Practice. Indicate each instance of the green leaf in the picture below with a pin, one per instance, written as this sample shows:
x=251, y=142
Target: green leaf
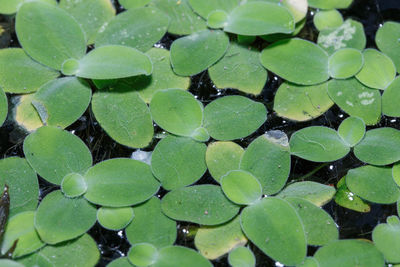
x=242, y=257
x=274, y=226
x=374, y=184
x=380, y=146
x=3, y=107
x=113, y=62
x=325, y=19
x=215, y=241
x=378, y=70
x=319, y=226
x=241, y=187
x=396, y=173
x=62, y=101
x=9, y=7
x=150, y=225
x=259, y=18
x=356, y=99
x=268, y=159
x=345, y=63
x=143, y=255
x=233, y=117
x=205, y=7
x=217, y=19
x=296, y=60
x=91, y=15
x=309, y=262
x=180, y=256
x=330, y=4
x=280, y=36
x=73, y=185
x=139, y=28
x=122, y=261
x=297, y=8
x=318, y=144
x=222, y=157
x=24, y=113
x=178, y=161
x=347, y=199
x=202, y=204
x=114, y=218
x=204, y=48
x=15, y=63
x=54, y=153
x=386, y=237
x=10, y=263
x=387, y=40
x=349, y=253
x=120, y=182
x=240, y=69
x=317, y=193
x=49, y=34
x=352, y=130
x=302, y=103
x=128, y=4
x=59, y=218
x=391, y=98
x=123, y=114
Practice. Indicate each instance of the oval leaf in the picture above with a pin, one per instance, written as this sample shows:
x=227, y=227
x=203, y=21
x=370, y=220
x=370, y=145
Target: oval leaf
x=345, y=63
x=386, y=237
x=241, y=187
x=114, y=218
x=387, y=40
x=180, y=256
x=242, y=257
x=352, y=130
x=391, y=98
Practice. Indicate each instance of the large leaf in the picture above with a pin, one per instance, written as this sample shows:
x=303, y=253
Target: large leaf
x=387, y=40
x=386, y=237
x=9, y=7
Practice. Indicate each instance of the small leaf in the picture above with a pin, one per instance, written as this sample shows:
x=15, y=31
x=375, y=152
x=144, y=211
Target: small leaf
x=205, y=7
x=325, y=19
x=387, y=40
x=330, y=4
x=9, y=7
x=391, y=98
x=24, y=113
x=217, y=19
x=73, y=185
x=180, y=256
x=347, y=199
x=386, y=237
x=143, y=255
x=352, y=130
x=121, y=261
x=242, y=257
x=114, y=218
x=345, y=63
x=241, y=187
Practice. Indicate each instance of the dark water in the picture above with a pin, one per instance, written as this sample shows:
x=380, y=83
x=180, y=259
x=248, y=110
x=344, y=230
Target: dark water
x=372, y=13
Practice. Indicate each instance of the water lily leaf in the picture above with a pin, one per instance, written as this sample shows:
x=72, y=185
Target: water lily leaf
x=143, y=254
x=178, y=161
x=349, y=253
x=114, y=218
x=59, y=218
x=233, y=117
x=62, y=101
x=20, y=227
x=319, y=226
x=330, y=4
x=352, y=130
x=54, y=153
x=386, y=39
x=215, y=241
x=202, y=204
x=285, y=57
x=120, y=182
x=317, y=193
x=177, y=111
x=379, y=147
x=122, y=261
x=274, y=226
x=373, y=183
x=15, y=63
x=268, y=159
x=150, y=225
x=378, y=70
x=356, y=99
x=222, y=157
x=390, y=98
x=9, y=7
x=242, y=257
x=180, y=256
x=345, y=198
x=25, y=114
x=349, y=35
x=325, y=19
x=386, y=237
x=73, y=185
x=204, y=48
x=183, y=20
x=10, y=263
x=91, y=15
x=250, y=19
x=345, y=63
x=318, y=144
x=49, y=34
x=240, y=69
x=81, y=252
x=112, y=62
x=3, y=107
x=139, y=28
x=241, y=187
x=205, y=7
x=123, y=114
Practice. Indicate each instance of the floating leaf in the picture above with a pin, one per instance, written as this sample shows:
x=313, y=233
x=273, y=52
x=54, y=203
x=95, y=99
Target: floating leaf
x=396, y=173
x=379, y=147
x=387, y=40
x=325, y=19
x=268, y=159
x=298, y=8
x=309, y=262
x=330, y=4
x=204, y=48
x=3, y=107
x=122, y=261
x=73, y=185
x=123, y=114
x=9, y=7
x=302, y=103
x=241, y=187
x=222, y=157
x=345, y=198
x=59, y=218
x=49, y=34
x=317, y=193
x=25, y=114
x=10, y=263
x=374, y=184
x=217, y=19
x=345, y=63
x=240, y=69
x=356, y=99
x=242, y=257
x=143, y=255
x=180, y=256
x=280, y=36
x=54, y=153
x=139, y=28
x=378, y=70
x=114, y=218
x=352, y=130
x=205, y=7
x=296, y=60
x=391, y=98
x=386, y=237
x=15, y=63
x=274, y=226
x=120, y=182
x=178, y=161
x=233, y=117
x=150, y=225
x=202, y=204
